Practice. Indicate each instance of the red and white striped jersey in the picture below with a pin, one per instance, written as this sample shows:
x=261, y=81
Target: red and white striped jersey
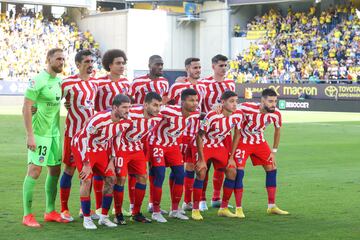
x=171, y=126
x=206, y=81
x=178, y=87
x=255, y=122
x=97, y=133
x=108, y=90
x=192, y=127
x=214, y=90
x=175, y=94
x=217, y=127
x=140, y=127
x=81, y=96
x=143, y=85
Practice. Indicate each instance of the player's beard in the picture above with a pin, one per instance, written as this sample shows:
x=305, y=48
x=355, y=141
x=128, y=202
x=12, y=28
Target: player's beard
x=195, y=76
x=152, y=113
x=269, y=110
x=89, y=70
x=57, y=69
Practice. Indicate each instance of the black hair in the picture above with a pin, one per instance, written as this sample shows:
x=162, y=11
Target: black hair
x=188, y=61
x=268, y=92
x=110, y=55
x=80, y=55
x=228, y=94
x=188, y=92
x=120, y=99
x=218, y=58
x=152, y=96
x=153, y=57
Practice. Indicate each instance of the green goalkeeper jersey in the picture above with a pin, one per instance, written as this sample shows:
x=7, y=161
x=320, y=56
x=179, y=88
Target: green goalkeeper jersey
x=45, y=91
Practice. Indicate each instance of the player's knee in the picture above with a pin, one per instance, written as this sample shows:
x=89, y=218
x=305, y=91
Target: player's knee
x=109, y=184
x=86, y=184
x=69, y=170
x=110, y=180
x=179, y=174
x=230, y=173
x=120, y=181
x=200, y=175
x=189, y=167
x=159, y=175
x=34, y=171
x=269, y=168
x=141, y=178
x=54, y=170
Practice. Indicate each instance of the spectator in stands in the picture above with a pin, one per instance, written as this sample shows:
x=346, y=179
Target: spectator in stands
x=25, y=39
x=237, y=30
x=303, y=46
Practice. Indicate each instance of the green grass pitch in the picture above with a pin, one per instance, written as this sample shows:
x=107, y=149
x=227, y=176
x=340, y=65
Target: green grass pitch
x=318, y=182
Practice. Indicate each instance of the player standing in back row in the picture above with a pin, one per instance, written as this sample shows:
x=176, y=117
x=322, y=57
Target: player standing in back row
x=152, y=82
x=193, y=69
x=216, y=86
x=114, y=62
x=79, y=92
x=249, y=141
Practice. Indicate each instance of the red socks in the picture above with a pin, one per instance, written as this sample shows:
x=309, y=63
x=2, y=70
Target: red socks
x=218, y=179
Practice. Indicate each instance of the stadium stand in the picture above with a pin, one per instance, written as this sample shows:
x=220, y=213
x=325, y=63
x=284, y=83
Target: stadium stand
x=302, y=47
x=25, y=39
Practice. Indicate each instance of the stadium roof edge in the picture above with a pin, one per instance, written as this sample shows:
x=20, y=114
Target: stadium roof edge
x=234, y=3
x=60, y=4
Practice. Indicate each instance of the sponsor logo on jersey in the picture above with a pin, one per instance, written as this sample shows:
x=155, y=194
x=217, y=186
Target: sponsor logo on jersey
x=32, y=83
x=91, y=130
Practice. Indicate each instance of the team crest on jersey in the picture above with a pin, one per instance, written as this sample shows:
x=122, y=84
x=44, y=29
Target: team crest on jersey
x=32, y=83
x=205, y=122
x=41, y=159
x=91, y=130
x=89, y=103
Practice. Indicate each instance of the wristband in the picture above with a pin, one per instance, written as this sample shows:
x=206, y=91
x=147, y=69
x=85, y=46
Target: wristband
x=274, y=150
